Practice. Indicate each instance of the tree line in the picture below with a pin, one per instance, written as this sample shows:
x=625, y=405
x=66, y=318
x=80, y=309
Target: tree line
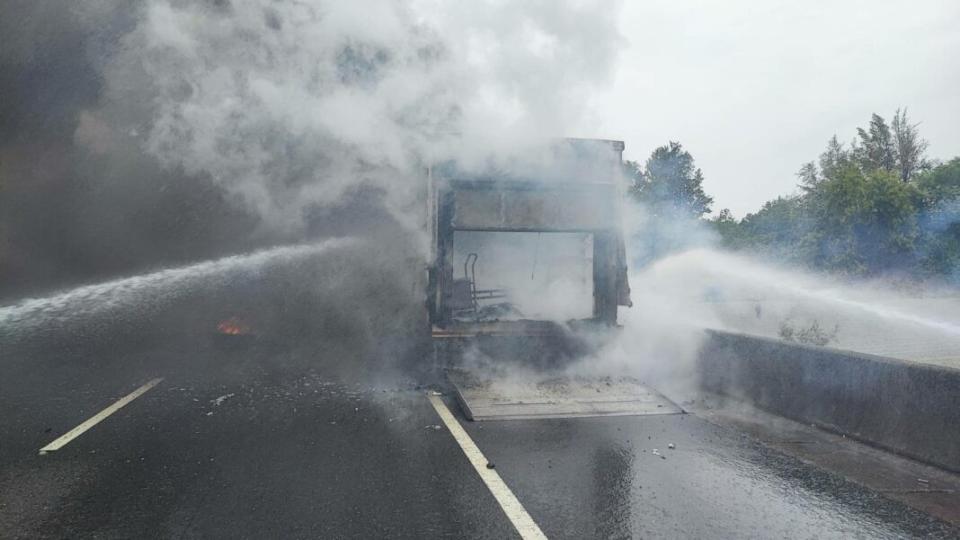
x=876, y=205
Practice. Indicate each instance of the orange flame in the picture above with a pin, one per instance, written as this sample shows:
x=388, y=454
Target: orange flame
x=234, y=327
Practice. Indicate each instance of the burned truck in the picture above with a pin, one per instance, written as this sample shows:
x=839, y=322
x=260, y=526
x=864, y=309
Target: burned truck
x=527, y=266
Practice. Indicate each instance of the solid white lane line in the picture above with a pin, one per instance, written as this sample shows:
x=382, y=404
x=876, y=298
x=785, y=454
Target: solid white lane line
x=515, y=511
x=61, y=441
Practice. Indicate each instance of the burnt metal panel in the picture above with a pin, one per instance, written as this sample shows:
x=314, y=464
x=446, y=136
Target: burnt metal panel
x=485, y=397
x=547, y=209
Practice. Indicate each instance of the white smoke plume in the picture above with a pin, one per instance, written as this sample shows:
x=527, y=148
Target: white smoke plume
x=683, y=294
x=289, y=104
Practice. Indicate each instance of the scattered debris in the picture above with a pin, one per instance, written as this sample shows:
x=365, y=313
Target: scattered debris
x=433, y=427
x=490, y=465
x=923, y=481
x=435, y=393
x=812, y=335
x=221, y=399
x=671, y=446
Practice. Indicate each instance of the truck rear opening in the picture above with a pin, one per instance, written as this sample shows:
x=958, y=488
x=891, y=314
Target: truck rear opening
x=528, y=271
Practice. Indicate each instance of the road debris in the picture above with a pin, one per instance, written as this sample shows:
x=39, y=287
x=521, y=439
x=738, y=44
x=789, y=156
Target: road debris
x=221, y=399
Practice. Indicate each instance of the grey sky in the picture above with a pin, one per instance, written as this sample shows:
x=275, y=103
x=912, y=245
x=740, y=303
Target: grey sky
x=754, y=89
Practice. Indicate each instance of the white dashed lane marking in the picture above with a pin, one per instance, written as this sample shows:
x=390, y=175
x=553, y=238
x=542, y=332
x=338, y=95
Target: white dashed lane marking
x=62, y=441
x=515, y=511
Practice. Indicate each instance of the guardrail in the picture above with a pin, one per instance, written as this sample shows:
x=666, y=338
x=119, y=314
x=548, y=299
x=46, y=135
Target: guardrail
x=909, y=408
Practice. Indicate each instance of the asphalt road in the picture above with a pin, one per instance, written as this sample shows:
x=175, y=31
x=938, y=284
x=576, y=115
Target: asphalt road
x=248, y=441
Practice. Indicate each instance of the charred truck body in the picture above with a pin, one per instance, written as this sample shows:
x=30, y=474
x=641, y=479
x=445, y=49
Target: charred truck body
x=526, y=263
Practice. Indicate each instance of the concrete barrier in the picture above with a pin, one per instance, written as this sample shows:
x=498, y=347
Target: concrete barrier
x=909, y=408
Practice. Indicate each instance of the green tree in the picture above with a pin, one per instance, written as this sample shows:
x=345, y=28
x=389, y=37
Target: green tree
x=876, y=149
x=781, y=223
x=729, y=229
x=909, y=148
x=670, y=184
x=834, y=158
x=669, y=189
x=863, y=222
x=873, y=206
x=941, y=183
x=940, y=222
x=809, y=176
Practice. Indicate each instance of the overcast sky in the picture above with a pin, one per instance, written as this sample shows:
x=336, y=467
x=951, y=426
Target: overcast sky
x=755, y=88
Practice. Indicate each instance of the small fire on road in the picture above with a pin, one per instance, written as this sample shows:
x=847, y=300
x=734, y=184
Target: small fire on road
x=234, y=326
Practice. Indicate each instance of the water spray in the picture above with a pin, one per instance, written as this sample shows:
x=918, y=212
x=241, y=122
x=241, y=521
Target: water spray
x=153, y=288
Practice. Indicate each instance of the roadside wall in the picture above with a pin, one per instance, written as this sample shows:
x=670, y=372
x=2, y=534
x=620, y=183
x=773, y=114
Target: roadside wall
x=909, y=408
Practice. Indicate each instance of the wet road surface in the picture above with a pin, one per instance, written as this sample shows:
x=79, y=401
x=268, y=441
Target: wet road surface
x=250, y=442
x=600, y=478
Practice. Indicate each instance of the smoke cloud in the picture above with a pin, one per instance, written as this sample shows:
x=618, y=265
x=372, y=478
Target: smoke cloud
x=172, y=131
x=292, y=104
x=169, y=132
x=680, y=295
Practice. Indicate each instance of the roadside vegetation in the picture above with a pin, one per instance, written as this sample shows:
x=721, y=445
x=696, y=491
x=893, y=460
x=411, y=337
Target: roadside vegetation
x=874, y=206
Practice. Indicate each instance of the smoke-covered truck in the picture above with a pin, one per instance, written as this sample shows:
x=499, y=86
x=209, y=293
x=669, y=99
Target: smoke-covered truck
x=528, y=267
x=576, y=191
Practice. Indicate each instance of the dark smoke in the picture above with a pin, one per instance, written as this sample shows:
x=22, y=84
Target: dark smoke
x=72, y=209
x=148, y=134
